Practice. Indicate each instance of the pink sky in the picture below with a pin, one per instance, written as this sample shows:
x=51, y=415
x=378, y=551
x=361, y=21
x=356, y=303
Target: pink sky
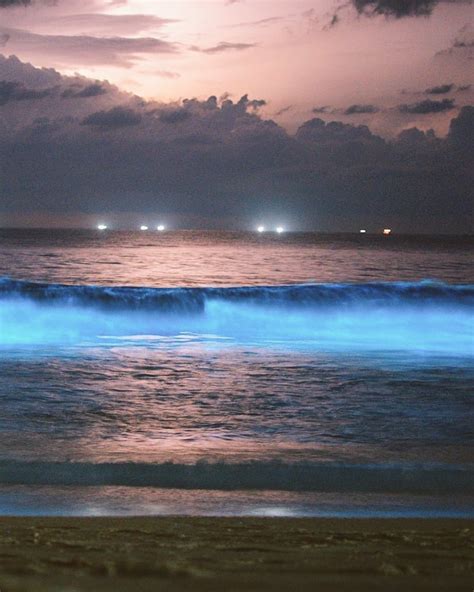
x=279, y=50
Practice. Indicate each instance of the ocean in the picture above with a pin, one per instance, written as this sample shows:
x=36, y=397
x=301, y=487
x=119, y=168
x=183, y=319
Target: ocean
x=212, y=373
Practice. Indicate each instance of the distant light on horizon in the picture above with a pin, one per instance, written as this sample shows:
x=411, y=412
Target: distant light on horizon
x=261, y=229
x=102, y=227
x=160, y=227
x=362, y=231
x=143, y=227
x=280, y=229
x=387, y=230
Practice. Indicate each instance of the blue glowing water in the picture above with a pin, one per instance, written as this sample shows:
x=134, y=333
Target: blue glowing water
x=316, y=366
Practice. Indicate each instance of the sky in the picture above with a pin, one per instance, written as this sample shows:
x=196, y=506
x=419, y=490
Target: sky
x=318, y=114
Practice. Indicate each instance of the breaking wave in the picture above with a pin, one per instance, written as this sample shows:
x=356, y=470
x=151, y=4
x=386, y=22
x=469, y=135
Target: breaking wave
x=194, y=299
x=425, y=315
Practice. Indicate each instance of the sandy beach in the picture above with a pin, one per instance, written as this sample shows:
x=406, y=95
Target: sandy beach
x=124, y=554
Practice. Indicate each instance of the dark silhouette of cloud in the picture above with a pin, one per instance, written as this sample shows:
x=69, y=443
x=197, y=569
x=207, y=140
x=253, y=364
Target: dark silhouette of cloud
x=428, y=106
x=322, y=109
x=461, y=133
x=395, y=8
x=8, y=3
x=15, y=91
x=464, y=87
x=439, y=90
x=283, y=110
x=224, y=46
x=113, y=118
x=174, y=116
x=224, y=160
x=361, y=109
x=91, y=90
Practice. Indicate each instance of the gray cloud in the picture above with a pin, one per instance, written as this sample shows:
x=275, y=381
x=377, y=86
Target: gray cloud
x=114, y=118
x=90, y=90
x=224, y=46
x=283, y=110
x=322, y=109
x=428, y=106
x=8, y=3
x=86, y=50
x=439, y=90
x=174, y=116
x=395, y=8
x=361, y=109
x=223, y=159
x=15, y=91
x=109, y=24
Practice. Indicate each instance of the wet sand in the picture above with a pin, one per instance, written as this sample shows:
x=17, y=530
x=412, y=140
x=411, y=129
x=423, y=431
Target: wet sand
x=234, y=554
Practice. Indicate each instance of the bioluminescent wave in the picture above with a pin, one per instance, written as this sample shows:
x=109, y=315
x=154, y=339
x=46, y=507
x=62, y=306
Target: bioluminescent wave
x=425, y=316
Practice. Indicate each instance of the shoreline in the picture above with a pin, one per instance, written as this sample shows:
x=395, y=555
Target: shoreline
x=196, y=553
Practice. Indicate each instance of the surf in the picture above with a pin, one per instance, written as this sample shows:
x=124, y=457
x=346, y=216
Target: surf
x=423, y=316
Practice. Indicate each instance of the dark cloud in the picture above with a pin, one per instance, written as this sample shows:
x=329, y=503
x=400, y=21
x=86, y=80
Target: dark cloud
x=15, y=91
x=224, y=160
x=283, y=110
x=464, y=87
x=361, y=109
x=7, y=3
x=174, y=116
x=428, y=106
x=442, y=89
x=322, y=109
x=114, y=118
x=461, y=132
x=91, y=90
x=395, y=8
x=224, y=46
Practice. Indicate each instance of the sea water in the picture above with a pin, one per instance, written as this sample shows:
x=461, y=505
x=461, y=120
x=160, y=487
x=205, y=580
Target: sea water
x=230, y=374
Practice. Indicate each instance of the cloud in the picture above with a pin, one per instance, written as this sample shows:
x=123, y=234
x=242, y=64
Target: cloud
x=167, y=74
x=221, y=159
x=439, y=90
x=9, y=3
x=15, y=91
x=361, y=109
x=258, y=23
x=462, y=47
x=428, y=106
x=283, y=110
x=108, y=25
x=322, y=109
x=461, y=131
x=174, y=116
x=90, y=90
x=114, y=118
x=395, y=8
x=464, y=87
x=224, y=46
x=84, y=49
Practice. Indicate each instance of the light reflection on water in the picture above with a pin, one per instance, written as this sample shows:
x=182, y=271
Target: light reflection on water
x=126, y=501
x=234, y=383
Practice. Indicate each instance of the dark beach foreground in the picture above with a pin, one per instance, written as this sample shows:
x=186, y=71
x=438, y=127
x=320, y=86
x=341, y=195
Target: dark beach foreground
x=145, y=554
